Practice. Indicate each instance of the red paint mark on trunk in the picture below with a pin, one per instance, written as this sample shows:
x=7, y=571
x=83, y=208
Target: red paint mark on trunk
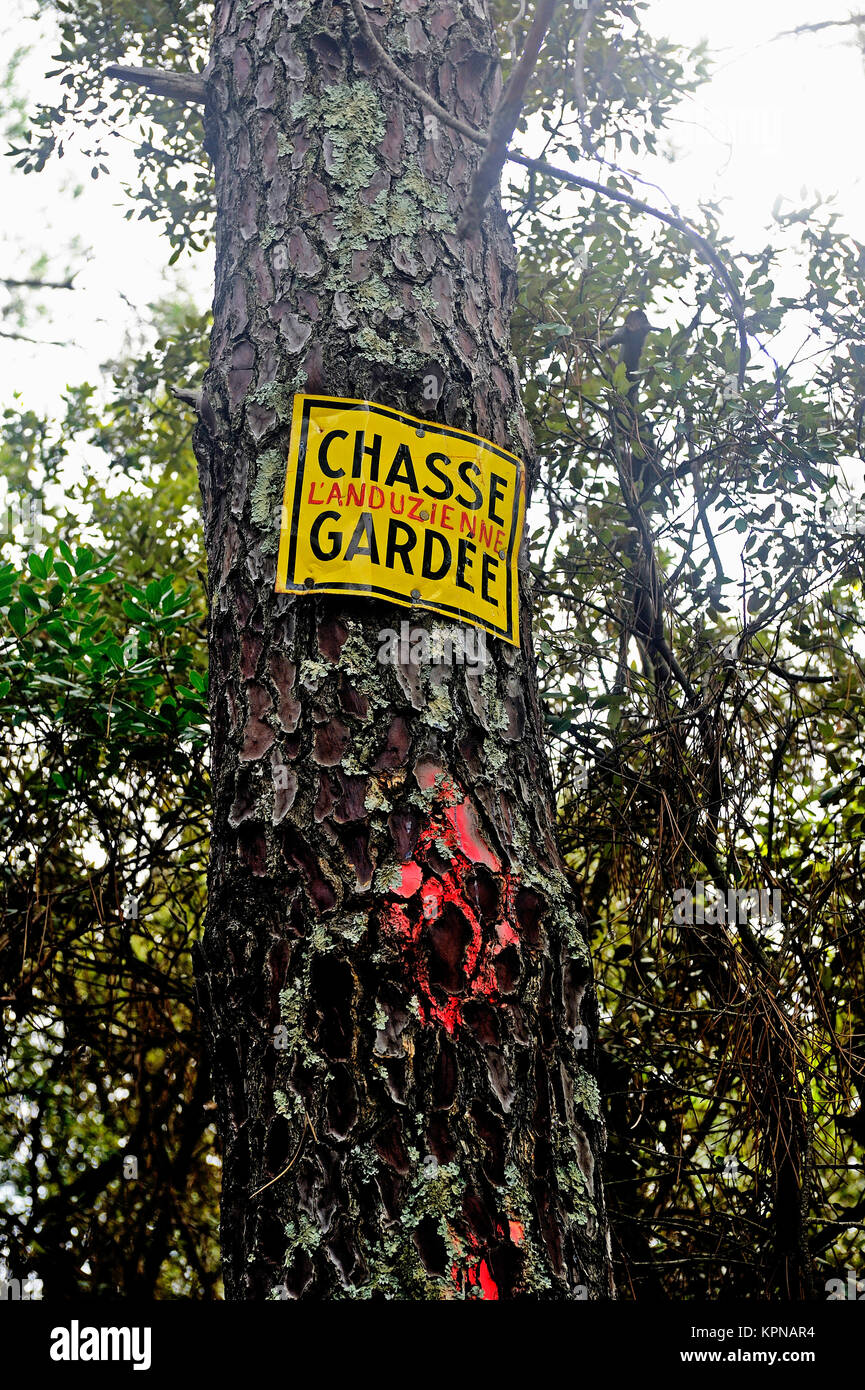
x=464, y=821
x=411, y=880
x=445, y=925
x=449, y=903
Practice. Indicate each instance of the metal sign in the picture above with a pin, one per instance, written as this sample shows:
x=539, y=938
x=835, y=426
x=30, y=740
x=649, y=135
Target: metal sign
x=416, y=513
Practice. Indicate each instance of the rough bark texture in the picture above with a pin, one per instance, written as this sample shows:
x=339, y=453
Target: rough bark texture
x=394, y=972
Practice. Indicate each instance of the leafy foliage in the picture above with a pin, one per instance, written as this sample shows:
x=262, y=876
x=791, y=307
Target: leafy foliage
x=175, y=189
x=104, y=812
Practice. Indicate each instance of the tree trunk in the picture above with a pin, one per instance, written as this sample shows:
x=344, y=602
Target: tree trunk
x=394, y=973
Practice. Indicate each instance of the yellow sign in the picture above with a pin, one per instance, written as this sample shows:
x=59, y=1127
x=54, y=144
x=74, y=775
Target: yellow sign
x=406, y=510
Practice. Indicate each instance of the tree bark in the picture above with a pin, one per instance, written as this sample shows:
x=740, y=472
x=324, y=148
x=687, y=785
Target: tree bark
x=394, y=974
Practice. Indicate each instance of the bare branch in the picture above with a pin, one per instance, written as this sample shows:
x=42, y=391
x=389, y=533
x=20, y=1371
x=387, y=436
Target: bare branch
x=504, y=120
x=177, y=86
x=36, y=284
x=823, y=24
x=188, y=394
x=421, y=95
x=794, y=677
x=708, y=253
x=700, y=495
x=579, y=62
x=512, y=27
x=541, y=166
x=40, y=342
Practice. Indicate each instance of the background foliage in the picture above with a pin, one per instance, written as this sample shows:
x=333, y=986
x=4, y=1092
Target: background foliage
x=728, y=750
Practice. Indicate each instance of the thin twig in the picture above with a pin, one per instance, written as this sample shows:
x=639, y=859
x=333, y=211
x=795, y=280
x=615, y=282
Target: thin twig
x=700, y=495
x=40, y=342
x=512, y=27
x=823, y=24
x=295, y=1156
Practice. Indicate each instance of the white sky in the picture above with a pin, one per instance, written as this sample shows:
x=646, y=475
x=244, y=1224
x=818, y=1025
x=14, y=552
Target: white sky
x=778, y=118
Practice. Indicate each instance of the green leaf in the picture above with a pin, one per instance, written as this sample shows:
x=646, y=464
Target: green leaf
x=30, y=597
x=17, y=616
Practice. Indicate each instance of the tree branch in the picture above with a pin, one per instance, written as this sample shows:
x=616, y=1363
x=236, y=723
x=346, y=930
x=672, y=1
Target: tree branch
x=504, y=120
x=177, y=86
x=699, y=242
x=419, y=93
x=40, y=342
x=795, y=677
x=552, y=171
x=700, y=495
x=36, y=284
x=823, y=24
x=190, y=395
x=579, y=60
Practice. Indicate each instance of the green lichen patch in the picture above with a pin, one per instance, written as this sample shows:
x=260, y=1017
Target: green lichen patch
x=415, y=183
x=387, y=878
x=520, y=1208
x=587, y=1095
x=390, y=350
x=312, y=673
x=438, y=711
x=276, y=396
x=302, y=1234
x=266, y=497
x=291, y=1012
x=375, y=799
x=351, y=117
x=290, y=1106
x=573, y=1185
x=496, y=714
x=350, y=928
x=394, y=1265
x=495, y=756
